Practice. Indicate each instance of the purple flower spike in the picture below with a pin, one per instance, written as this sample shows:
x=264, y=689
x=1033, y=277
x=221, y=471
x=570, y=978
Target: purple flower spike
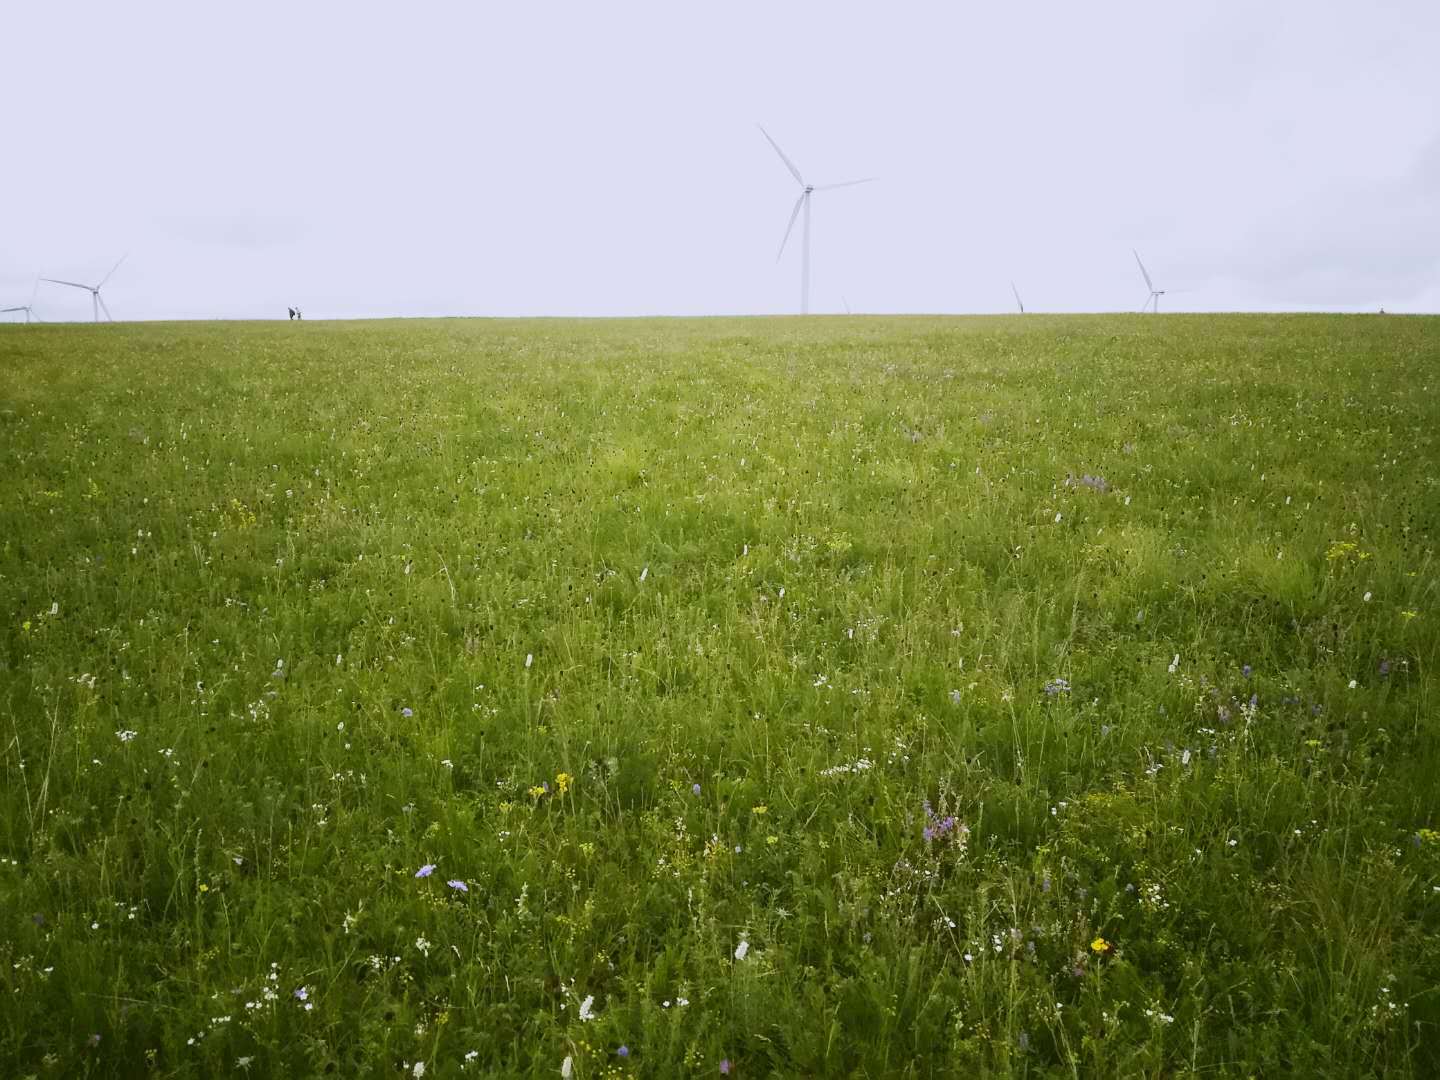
x=458, y=886
x=1246, y=671
x=426, y=870
x=694, y=789
x=725, y=1066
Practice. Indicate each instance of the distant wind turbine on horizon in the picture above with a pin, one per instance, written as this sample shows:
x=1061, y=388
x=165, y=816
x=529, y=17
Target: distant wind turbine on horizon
x=1019, y=303
x=1155, y=293
x=803, y=203
x=96, y=301
x=29, y=308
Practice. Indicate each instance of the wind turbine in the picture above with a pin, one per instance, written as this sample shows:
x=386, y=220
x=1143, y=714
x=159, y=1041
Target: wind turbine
x=1018, y=301
x=1155, y=293
x=803, y=203
x=29, y=308
x=96, y=303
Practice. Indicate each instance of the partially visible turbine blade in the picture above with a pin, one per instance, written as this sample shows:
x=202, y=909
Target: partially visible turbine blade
x=788, y=228
x=72, y=284
x=788, y=163
x=113, y=269
x=1145, y=273
x=7, y=310
x=101, y=299
x=1018, y=301
x=847, y=183
x=35, y=291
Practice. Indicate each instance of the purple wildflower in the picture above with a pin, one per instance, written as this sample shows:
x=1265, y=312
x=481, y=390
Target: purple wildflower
x=936, y=827
x=1057, y=686
x=623, y=1052
x=1384, y=669
x=458, y=886
x=426, y=870
x=694, y=789
x=725, y=1066
x=407, y=712
x=1245, y=671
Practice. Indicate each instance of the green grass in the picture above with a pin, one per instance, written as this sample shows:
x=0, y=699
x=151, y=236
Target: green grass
x=662, y=636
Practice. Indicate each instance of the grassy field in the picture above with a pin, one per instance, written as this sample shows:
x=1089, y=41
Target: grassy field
x=1050, y=696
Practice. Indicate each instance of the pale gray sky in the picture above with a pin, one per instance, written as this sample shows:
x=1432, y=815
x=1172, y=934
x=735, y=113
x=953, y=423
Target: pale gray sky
x=603, y=159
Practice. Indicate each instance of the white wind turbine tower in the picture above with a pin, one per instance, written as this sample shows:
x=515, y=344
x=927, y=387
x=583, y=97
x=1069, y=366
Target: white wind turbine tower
x=1019, y=303
x=1155, y=293
x=803, y=203
x=96, y=303
x=29, y=308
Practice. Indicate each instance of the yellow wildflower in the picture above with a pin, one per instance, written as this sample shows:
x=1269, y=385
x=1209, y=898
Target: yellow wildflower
x=562, y=782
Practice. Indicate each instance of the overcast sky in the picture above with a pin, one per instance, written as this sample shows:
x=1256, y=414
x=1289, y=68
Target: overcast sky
x=603, y=158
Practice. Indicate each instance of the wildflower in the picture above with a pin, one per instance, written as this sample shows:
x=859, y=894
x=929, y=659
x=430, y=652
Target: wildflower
x=695, y=789
x=761, y=809
x=422, y=945
x=742, y=949
x=623, y=1052
x=529, y=658
x=1384, y=669
x=419, y=1070
x=567, y=1068
x=1056, y=686
x=1367, y=597
x=537, y=791
x=1245, y=671
x=303, y=994
x=458, y=886
x=587, y=1008
x=426, y=870
x=562, y=782
x=1175, y=663
x=1101, y=946
x=244, y=1062
x=725, y=1066
x=93, y=1041
x=1408, y=615
x=407, y=713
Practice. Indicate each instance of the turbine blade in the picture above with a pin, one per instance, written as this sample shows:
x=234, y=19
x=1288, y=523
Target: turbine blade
x=7, y=310
x=113, y=269
x=788, y=163
x=847, y=183
x=790, y=228
x=1144, y=273
x=1018, y=301
x=103, y=308
x=35, y=291
x=72, y=284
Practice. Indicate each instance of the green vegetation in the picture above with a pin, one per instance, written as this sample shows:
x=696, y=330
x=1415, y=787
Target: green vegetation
x=893, y=697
